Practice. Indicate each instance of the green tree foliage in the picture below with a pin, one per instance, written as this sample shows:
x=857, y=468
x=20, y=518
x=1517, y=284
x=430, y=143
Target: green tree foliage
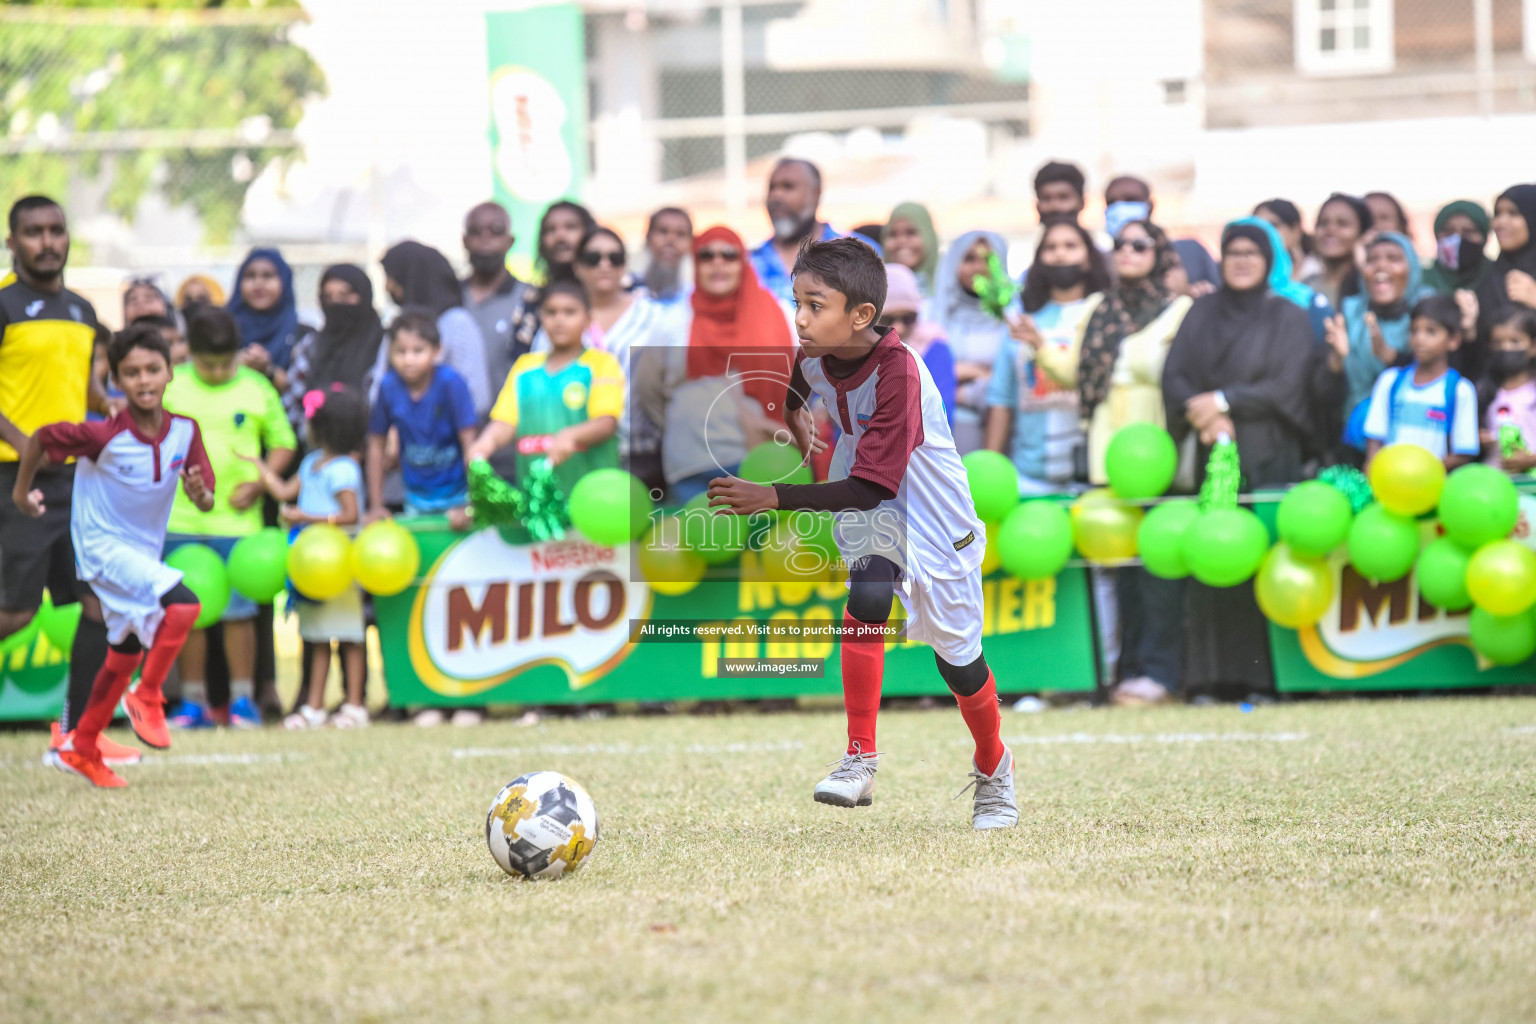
x=82, y=72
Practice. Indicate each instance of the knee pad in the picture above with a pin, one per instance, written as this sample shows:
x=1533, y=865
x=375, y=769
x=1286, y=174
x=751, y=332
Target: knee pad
x=964, y=680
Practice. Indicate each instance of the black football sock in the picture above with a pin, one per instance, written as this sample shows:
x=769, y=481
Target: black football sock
x=86, y=656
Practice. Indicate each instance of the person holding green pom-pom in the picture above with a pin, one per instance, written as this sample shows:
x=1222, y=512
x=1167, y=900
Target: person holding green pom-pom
x=1238, y=368
x=563, y=404
x=973, y=333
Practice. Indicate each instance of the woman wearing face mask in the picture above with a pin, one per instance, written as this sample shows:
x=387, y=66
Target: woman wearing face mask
x=1461, y=235
x=1511, y=279
x=1238, y=367
x=417, y=275
x=1341, y=223
x=1032, y=415
x=910, y=241
x=348, y=350
x=974, y=335
x=710, y=385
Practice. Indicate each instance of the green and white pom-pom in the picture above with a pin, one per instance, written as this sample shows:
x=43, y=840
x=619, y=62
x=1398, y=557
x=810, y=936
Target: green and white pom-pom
x=996, y=290
x=1351, y=483
x=1223, y=477
x=540, y=508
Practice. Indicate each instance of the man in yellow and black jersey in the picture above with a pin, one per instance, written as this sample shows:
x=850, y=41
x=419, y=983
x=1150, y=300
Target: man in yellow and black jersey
x=48, y=335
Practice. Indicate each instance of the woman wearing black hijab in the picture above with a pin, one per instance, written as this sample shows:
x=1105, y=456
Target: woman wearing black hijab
x=1511, y=281
x=1239, y=366
x=419, y=277
x=347, y=350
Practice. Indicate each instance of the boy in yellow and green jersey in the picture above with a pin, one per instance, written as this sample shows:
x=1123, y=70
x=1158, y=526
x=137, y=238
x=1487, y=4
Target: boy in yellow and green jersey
x=564, y=404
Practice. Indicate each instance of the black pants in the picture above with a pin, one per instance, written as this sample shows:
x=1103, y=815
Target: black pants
x=1151, y=626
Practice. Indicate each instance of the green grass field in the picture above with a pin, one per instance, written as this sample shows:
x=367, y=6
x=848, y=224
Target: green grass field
x=1350, y=861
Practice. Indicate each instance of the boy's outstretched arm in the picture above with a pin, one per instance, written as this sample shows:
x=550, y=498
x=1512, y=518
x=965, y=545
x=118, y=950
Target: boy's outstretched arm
x=740, y=497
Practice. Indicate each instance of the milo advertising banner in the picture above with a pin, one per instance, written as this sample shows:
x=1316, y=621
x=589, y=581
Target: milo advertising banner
x=537, y=63
x=495, y=621
x=1386, y=636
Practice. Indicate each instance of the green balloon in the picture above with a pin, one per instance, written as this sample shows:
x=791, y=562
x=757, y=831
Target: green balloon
x=773, y=463
x=1383, y=545
x=1503, y=639
x=1478, y=504
x=203, y=571
x=1140, y=461
x=994, y=481
x=1160, y=539
x=1313, y=519
x=258, y=565
x=1225, y=546
x=714, y=538
x=610, y=507
x=1035, y=540
x=1442, y=575
x=58, y=623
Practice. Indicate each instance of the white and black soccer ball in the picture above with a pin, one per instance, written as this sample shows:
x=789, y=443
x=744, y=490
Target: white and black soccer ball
x=541, y=825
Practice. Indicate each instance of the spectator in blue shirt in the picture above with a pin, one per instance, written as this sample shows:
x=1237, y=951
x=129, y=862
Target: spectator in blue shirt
x=794, y=193
x=429, y=405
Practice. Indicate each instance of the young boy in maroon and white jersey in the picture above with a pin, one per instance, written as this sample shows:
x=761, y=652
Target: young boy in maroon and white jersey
x=128, y=471
x=905, y=520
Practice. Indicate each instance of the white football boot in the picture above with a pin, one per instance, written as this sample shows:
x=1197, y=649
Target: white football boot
x=993, y=805
x=852, y=782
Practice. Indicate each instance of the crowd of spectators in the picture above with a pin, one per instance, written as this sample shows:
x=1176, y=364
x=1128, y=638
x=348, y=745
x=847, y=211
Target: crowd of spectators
x=1310, y=348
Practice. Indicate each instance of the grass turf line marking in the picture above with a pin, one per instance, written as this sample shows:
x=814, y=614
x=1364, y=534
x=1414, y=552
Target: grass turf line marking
x=175, y=759
x=1163, y=737
x=1520, y=730
x=622, y=748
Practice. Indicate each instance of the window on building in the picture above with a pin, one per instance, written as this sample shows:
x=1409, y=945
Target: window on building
x=1343, y=37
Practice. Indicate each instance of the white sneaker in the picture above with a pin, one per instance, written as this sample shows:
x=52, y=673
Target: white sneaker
x=852, y=782
x=428, y=718
x=993, y=805
x=1140, y=692
x=305, y=718
x=467, y=716
x=350, y=716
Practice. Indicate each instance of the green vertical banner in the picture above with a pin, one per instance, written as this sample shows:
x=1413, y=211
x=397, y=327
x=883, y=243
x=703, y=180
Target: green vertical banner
x=537, y=61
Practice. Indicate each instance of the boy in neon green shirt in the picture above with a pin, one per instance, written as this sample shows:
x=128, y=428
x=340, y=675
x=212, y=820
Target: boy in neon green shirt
x=563, y=404
x=239, y=413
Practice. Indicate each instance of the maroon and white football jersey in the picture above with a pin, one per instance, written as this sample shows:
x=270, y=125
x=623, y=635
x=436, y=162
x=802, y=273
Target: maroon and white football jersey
x=125, y=483
x=895, y=433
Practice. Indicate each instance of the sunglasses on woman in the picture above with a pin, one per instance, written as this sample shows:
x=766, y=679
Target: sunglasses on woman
x=595, y=259
x=725, y=255
x=1135, y=244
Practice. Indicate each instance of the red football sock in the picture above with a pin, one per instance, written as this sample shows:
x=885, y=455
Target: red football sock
x=111, y=682
x=985, y=721
x=173, y=631
x=863, y=670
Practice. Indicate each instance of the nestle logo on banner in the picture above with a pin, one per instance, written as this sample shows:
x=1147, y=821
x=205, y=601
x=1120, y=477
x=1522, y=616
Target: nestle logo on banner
x=490, y=611
x=1376, y=626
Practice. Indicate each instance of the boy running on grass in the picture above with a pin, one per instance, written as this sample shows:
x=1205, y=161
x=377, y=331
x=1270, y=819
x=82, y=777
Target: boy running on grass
x=128, y=471
x=905, y=517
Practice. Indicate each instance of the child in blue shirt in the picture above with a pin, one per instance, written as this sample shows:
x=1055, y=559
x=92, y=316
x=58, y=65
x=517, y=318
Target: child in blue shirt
x=1427, y=403
x=430, y=408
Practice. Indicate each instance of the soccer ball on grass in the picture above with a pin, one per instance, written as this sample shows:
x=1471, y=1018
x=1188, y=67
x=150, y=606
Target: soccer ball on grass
x=541, y=825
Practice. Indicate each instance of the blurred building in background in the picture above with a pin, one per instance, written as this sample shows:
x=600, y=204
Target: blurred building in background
x=333, y=128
